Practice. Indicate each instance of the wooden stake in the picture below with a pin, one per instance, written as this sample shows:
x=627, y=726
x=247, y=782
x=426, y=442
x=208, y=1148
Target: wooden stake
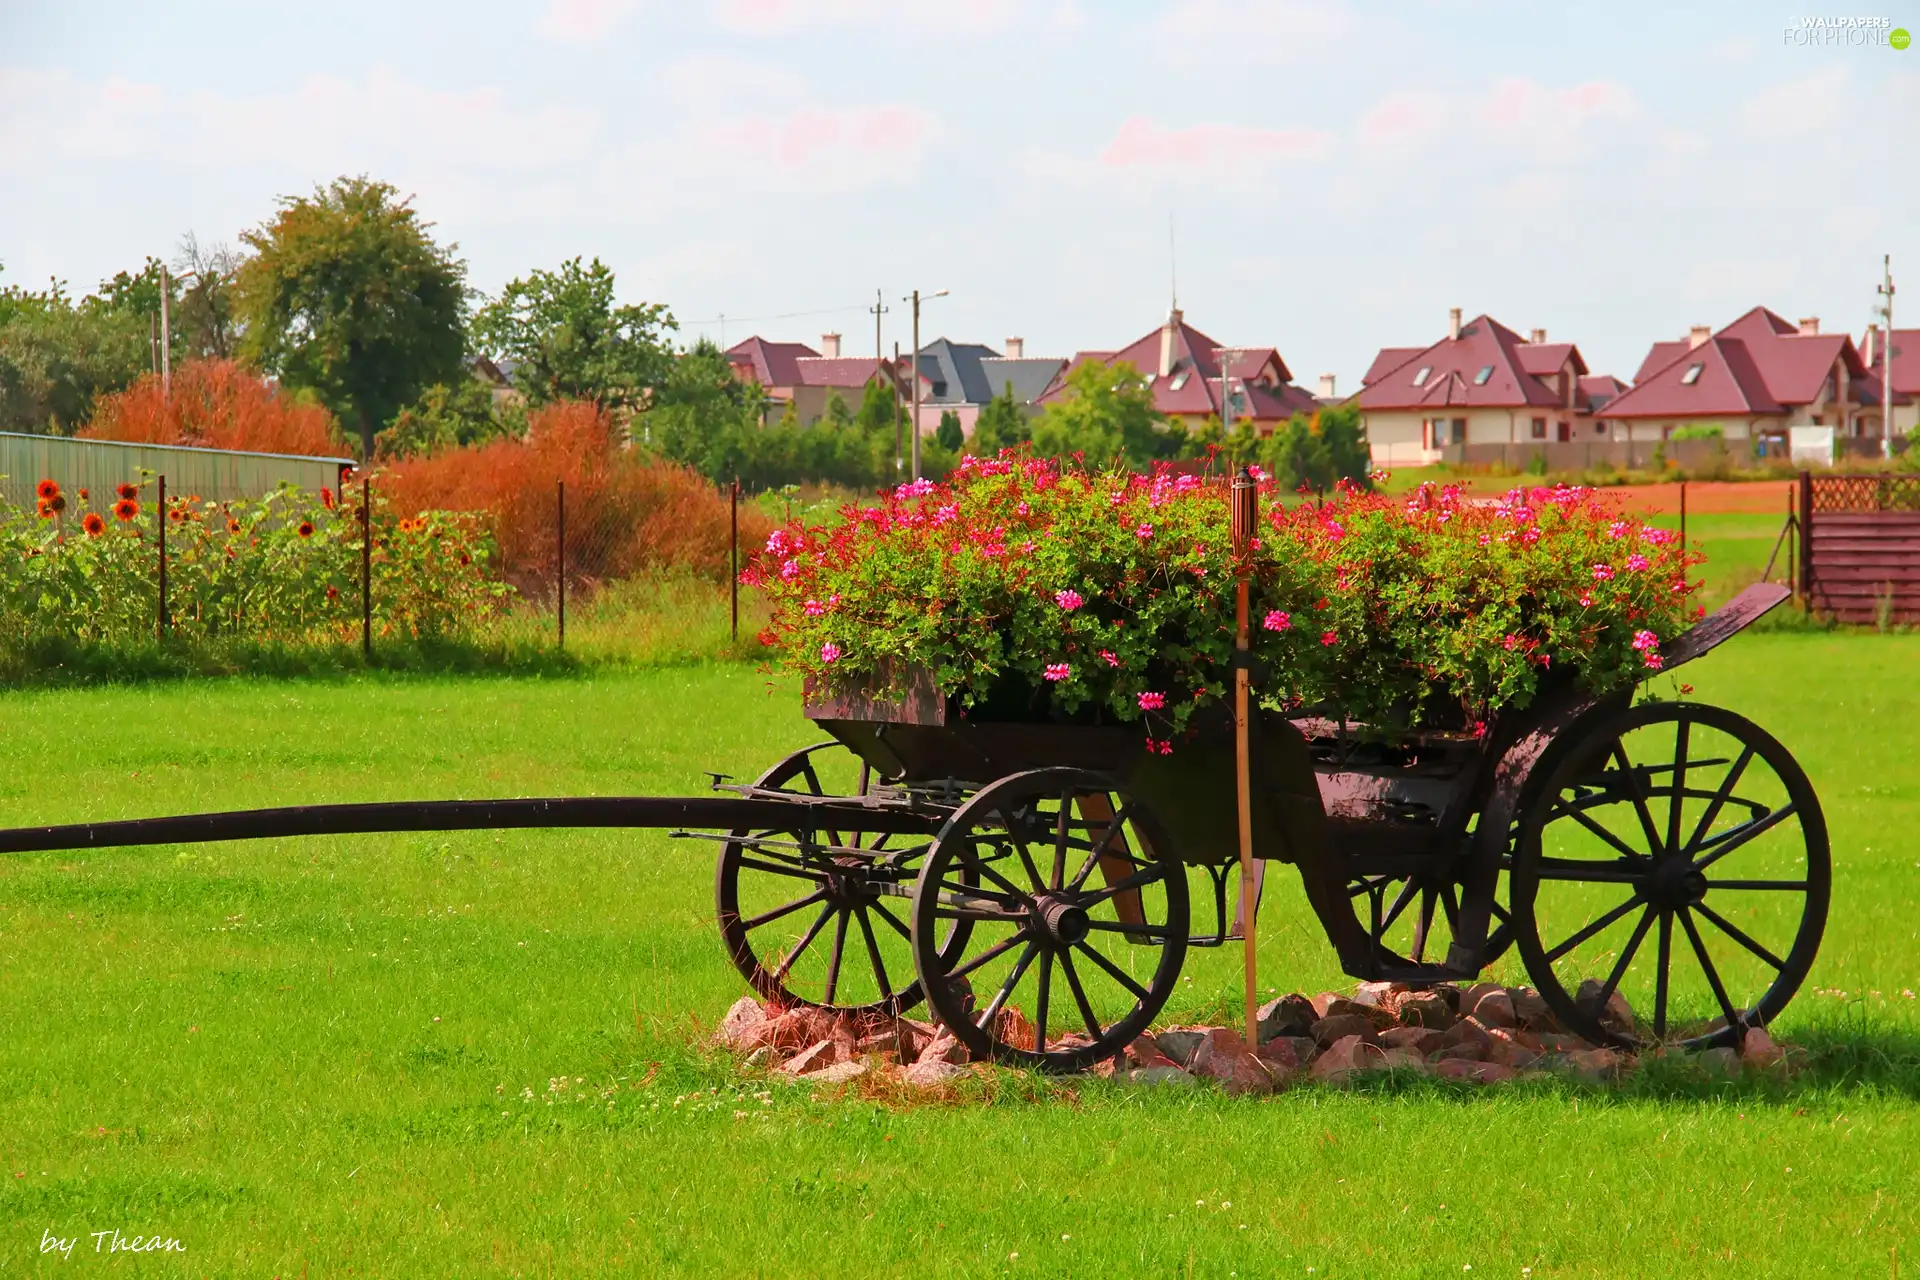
x=1246, y=515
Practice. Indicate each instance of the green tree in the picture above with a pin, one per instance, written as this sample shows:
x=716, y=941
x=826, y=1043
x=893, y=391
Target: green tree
x=949, y=433
x=347, y=295
x=1106, y=415
x=58, y=356
x=449, y=417
x=1345, y=438
x=1002, y=424
x=204, y=320
x=703, y=416
x=570, y=341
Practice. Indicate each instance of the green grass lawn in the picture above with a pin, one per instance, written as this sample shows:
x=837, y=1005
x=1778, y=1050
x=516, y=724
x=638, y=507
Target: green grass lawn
x=480, y=1053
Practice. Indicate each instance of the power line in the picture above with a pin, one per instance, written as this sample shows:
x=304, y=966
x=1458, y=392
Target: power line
x=785, y=315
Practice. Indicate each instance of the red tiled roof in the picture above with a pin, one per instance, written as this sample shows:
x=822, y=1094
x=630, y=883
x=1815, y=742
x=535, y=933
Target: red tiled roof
x=1389, y=359
x=771, y=363
x=1454, y=366
x=1597, y=389
x=1545, y=359
x=1193, y=387
x=1759, y=364
x=836, y=371
x=1906, y=361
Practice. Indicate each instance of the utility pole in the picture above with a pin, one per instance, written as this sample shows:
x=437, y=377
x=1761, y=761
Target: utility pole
x=166, y=338
x=879, y=352
x=1226, y=397
x=899, y=441
x=1886, y=345
x=914, y=373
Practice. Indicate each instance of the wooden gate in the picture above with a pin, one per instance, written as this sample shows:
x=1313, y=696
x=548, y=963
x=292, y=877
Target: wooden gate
x=1860, y=546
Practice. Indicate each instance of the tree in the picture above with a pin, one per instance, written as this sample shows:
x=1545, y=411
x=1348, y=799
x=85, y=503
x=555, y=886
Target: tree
x=569, y=341
x=204, y=323
x=701, y=414
x=347, y=295
x=57, y=357
x=216, y=404
x=1107, y=415
x=949, y=433
x=1002, y=424
x=449, y=417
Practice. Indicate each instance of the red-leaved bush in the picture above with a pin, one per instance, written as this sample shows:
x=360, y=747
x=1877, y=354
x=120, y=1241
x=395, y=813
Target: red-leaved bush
x=1032, y=590
x=626, y=513
x=215, y=404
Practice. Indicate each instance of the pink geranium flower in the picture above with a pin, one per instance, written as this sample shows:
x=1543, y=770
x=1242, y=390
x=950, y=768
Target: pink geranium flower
x=1068, y=600
x=829, y=652
x=1637, y=562
x=1152, y=701
x=1144, y=532
x=1278, y=620
x=815, y=608
x=1112, y=659
x=1645, y=641
x=1602, y=572
x=1058, y=671
x=1329, y=638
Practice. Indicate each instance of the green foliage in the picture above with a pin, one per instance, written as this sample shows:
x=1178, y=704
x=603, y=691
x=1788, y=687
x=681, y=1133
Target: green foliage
x=1002, y=424
x=347, y=295
x=1107, y=415
x=450, y=417
x=571, y=341
x=58, y=356
x=205, y=322
x=949, y=433
x=1700, y=431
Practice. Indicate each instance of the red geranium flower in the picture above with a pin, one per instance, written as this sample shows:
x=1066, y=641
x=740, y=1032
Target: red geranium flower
x=93, y=524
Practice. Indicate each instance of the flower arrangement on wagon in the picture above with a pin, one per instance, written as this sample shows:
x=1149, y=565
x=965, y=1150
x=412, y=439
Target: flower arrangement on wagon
x=1029, y=589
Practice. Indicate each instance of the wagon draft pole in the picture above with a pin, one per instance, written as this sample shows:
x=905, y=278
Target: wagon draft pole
x=1246, y=517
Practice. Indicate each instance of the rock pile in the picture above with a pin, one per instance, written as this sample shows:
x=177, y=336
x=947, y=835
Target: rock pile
x=1483, y=1033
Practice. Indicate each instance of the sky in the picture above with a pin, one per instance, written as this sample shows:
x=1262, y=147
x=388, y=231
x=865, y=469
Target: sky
x=1334, y=176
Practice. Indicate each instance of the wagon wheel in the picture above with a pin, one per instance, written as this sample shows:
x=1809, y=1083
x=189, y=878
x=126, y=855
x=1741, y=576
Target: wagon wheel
x=1411, y=919
x=816, y=918
x=1677, y=856
x=1062, y=876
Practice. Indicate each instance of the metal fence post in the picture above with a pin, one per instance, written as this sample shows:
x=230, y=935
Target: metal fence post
x=160, y=621
x=560, y=555
x=1806, y=540
x=733, y=556
x=366, y=567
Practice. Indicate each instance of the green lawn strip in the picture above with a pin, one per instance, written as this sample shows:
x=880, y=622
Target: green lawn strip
x=236, y=1045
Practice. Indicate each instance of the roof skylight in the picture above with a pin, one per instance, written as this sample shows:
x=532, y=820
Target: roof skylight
x=1480, y=378
x=1420, y=378
x=1692, y=375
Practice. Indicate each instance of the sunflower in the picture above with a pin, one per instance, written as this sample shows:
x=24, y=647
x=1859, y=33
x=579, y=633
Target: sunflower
x=233, y=526
x=127, y=492
x=306, y=529
x=46, y=490
x=93, y=524
x=126, y=508
x=43, y=508
x=326, y=497
x=58, y=502
x=85, y=496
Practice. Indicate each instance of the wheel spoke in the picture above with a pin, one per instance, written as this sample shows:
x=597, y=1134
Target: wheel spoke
x=839, y=949
x=1660, y=978
x=873, y=954
x=892, y=919
x=1795, y=886
x=991, y=954
x=806, y=940
x=1725, y=843
x=1103, y=846
x=1579, y=815
x=1114, y=971
x=1706, y=962
x=1677, y=804
x=1588, y=872
x=977, y=863
x=1006, y=988
x=1146, y=875
x=1720, y=797
x=1452, y=906
x=1059, y=876
x=1385, y=921
x=768, y=917
x=1638, y=792
x=1131, y=930
x=1080, y=996
x=1423, y=923
x=1727, y=927
x=1040, y=1001
x=795, y=870
x=1593, y=928
x=1626, y=958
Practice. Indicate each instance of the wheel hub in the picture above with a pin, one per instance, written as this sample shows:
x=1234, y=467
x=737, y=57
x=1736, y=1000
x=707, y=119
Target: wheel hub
x=1062, y=921
x=1674, y=882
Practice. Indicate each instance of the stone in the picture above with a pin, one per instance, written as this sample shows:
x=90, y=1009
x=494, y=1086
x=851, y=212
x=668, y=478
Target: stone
x=1284, y=1054
x=1476, y=1072
x=1290, y=1015
x=1426, y=1009
x=1420, y=1040
x=1346, y=1057
x=815, y=1057
x=1338, y=1026
x=1163, y=1076
x=839, y=1072
x=1494, y=1009
x=1473, y=994
x=1723, y=1061
x=1379, y=995
x=1468, y=1051
x=1511, y=1048
x=1324, y=1002
x=1560, y=1042
x=944, y=1048
x=929, y=1074
x=1237, y=1070
x=846, y=1034
x=1531, y=1009
x=1616, y=1017
x=1468, y=1032
x=1757, y=1050
x=1597, y=1065
x=1145, y=1053
x=745, y=1025
x=1010, y=1026
x=1180, y=1044
x=1405, y=1060
x=765, y=1056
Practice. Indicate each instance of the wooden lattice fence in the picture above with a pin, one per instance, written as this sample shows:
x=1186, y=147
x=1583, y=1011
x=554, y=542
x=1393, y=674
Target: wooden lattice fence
x=1860, y=546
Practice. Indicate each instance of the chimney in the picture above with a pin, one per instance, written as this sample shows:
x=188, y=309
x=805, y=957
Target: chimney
x=1538, y=335
x=1016, y=348
x=1870, y=346
x=1167, y=331
x=1453, y=322
x=1809, y=326
x=830, y=345
x=1326, y=386
x=1698, y=335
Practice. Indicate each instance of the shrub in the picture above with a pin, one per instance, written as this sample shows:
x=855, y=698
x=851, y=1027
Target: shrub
x=216, y=404
x=1032, y=590
x=627, y=514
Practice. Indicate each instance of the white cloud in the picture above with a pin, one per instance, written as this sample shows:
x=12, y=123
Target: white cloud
x=1404, y=118
x=1145, y=142
x=958, y=17
x=1207, y=33
x=1799, y=108
x=581, y=21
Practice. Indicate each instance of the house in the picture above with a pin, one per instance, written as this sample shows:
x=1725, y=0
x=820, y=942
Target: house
x=1183, y=369
x=1906, y=378
x=1756, y=380
x=794, y=374
x=962, y=377
x=1482, y=384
